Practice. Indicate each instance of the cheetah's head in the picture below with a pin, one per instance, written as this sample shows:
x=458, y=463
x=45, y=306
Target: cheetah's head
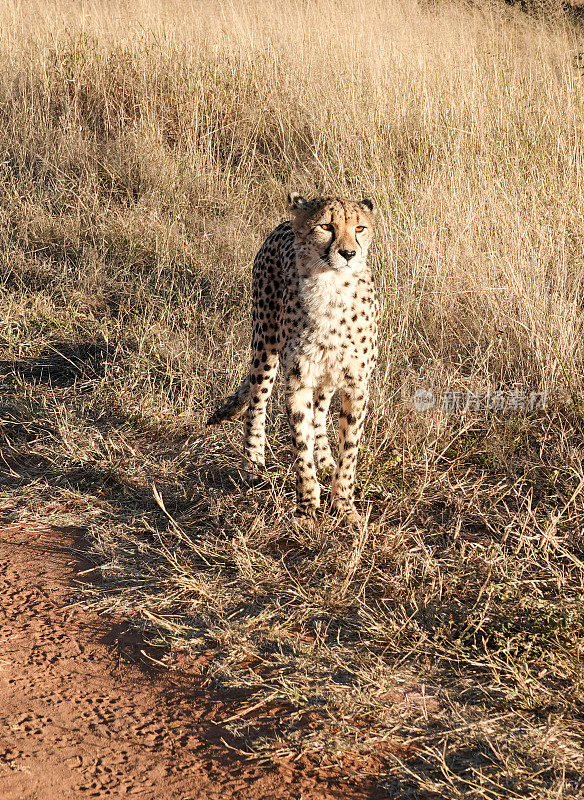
x=332, y=233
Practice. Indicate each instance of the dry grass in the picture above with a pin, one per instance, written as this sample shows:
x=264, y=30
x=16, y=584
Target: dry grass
x=146, y=149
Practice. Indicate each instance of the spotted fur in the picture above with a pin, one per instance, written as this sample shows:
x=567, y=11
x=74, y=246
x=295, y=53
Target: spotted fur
x=314, y=311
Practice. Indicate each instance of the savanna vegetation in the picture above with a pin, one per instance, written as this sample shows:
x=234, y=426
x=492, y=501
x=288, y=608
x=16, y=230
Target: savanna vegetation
x=146, y=149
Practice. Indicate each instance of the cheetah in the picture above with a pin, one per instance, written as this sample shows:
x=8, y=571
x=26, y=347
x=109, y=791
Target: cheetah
x=315, y=310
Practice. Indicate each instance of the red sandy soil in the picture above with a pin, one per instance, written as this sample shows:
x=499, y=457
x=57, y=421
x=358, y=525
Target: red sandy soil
x=79, y=719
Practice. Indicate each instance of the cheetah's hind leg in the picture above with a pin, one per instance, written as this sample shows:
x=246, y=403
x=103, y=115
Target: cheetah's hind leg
x=261, y=377
x=234, y=407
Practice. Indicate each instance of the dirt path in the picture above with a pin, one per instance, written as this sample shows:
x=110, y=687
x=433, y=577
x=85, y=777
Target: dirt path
x=78, y=721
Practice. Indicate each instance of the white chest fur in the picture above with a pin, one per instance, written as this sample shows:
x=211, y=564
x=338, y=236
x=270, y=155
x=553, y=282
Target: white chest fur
x=326, y=347
x=326, y=294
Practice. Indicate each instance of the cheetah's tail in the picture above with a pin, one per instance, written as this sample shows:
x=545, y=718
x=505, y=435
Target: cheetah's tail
x=234, y=407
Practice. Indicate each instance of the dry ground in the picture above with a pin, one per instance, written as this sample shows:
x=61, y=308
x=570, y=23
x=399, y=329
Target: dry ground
x=84, y=711
x=146, y=150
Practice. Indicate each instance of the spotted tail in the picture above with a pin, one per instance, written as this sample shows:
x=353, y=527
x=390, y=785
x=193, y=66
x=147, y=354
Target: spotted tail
x=234, y=407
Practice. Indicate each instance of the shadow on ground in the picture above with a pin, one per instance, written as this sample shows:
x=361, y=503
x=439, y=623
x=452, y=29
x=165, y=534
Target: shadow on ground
x=37, y=476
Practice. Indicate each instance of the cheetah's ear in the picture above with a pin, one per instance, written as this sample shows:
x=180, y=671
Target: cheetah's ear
x=296, y=202
x=368, y=204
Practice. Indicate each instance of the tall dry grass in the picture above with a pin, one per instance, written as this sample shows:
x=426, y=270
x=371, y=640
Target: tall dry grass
x=146, y=150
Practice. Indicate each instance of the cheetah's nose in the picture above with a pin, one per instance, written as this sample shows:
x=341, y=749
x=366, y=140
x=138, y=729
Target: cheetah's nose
x=348, y=254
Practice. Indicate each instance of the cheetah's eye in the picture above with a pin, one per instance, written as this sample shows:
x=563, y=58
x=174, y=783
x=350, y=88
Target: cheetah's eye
x=359, y=228
x=327, y=227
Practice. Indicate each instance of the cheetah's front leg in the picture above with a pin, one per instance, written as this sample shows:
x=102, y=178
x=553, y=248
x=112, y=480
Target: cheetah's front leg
x=351, y=418
x=322, y=450
x=300, y=415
